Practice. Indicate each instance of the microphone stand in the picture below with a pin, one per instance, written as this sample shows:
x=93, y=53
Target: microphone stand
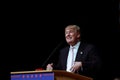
x=50, y=56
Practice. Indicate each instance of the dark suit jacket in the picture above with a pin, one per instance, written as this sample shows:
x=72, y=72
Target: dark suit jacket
x=88, y=54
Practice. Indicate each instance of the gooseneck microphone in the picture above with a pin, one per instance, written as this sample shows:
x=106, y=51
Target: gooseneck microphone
x=54, y=50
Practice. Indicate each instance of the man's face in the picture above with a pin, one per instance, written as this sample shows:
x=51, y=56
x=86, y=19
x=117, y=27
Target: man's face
x=71, y=35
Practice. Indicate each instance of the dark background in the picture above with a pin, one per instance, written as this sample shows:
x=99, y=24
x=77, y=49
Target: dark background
x=33, y=31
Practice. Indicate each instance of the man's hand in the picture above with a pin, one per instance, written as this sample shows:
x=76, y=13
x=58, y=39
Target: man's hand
x=76, y=67
x=49, y=66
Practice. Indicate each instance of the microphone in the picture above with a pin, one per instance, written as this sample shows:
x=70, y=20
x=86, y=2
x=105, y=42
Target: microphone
x=52, y=53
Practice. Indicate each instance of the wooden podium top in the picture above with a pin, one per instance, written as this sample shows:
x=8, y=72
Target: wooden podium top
x=21, y=72
x=70, y=75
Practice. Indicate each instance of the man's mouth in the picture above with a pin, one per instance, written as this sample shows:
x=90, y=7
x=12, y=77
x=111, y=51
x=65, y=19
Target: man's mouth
x=69, y=38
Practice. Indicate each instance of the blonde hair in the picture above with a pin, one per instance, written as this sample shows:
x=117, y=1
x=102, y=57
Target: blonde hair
x=76, y=27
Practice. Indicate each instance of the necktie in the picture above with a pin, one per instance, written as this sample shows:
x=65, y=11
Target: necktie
x=72, y=56
x=70, y=60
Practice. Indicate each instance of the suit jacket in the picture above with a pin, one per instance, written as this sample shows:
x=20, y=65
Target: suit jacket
x=87, y=54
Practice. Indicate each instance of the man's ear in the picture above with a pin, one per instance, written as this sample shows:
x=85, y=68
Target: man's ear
x=78, y=36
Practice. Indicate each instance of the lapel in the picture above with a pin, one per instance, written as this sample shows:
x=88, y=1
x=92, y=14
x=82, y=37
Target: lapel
x=80, y=52
x=65, y=55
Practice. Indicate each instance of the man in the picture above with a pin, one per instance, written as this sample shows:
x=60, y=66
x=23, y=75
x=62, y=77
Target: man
x=78, y=57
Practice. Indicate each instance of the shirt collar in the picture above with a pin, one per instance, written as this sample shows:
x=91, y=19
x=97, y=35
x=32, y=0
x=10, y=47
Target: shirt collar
x=76, y=45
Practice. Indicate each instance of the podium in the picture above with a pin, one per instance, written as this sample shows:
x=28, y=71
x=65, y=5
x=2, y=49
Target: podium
x=47, y=75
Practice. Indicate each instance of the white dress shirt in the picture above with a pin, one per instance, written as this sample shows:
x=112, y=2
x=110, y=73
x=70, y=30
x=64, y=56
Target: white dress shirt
x=70, y=56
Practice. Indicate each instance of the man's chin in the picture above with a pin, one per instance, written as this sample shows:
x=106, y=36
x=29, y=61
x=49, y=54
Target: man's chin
x=69, y=42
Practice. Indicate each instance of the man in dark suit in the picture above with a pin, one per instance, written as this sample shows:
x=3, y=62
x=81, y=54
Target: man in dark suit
x=78, y=57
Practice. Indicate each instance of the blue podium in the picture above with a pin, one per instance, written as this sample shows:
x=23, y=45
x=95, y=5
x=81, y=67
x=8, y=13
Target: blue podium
x=32, y=75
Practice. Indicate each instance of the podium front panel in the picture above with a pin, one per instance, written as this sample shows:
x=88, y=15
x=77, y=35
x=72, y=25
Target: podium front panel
x=33, y=76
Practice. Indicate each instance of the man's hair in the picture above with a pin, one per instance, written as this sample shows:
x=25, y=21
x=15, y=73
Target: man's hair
x=74, y=26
